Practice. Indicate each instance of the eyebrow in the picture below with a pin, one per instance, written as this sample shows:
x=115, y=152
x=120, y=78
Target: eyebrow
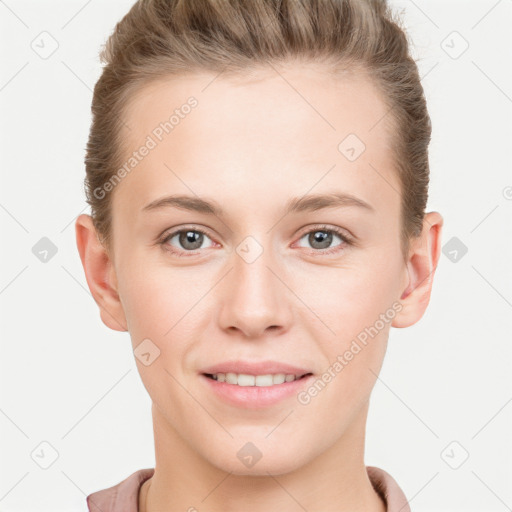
x=309, y=203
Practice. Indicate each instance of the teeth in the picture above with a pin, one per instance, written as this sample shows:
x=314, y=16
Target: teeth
x=242, y=379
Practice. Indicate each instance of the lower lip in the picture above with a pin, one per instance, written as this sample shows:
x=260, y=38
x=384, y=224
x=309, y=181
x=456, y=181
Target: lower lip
x=255, y=397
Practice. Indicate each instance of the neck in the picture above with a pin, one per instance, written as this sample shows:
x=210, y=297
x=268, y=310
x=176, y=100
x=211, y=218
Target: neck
x=336, y=480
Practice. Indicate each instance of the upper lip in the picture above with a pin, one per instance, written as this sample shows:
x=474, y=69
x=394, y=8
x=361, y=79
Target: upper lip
x=255, y=368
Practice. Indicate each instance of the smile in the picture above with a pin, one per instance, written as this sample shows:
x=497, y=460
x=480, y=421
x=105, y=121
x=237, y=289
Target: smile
x=243, y=379
x=247, y=391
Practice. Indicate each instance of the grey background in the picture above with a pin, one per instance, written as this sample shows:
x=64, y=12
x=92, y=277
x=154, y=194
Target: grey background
x=67, y=381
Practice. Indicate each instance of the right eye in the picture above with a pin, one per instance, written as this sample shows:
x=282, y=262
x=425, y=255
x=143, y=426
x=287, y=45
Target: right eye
x=188, y=240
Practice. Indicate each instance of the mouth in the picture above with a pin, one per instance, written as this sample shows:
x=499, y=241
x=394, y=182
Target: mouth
x=247, y=380
x=266, y=387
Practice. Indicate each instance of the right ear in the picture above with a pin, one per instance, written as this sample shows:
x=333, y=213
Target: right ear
x=100, y=273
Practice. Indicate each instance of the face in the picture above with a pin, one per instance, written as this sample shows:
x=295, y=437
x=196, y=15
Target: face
x=268, y=271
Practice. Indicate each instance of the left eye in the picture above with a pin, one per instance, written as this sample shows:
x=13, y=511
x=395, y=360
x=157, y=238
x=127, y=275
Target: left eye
x=322, y=238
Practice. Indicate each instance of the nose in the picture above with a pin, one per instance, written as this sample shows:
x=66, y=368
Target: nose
x=255, y=300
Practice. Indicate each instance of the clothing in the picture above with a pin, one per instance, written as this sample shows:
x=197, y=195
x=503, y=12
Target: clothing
x=124, y=496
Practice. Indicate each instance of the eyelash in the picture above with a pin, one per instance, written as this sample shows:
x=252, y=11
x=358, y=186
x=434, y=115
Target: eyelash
x=346, y=240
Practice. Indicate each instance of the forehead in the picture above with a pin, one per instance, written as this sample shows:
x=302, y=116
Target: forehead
x=292, y=128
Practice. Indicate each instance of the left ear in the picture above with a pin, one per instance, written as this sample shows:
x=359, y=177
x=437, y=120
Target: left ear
x=421, y=266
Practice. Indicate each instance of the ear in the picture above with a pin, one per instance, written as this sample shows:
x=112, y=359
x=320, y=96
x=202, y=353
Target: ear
x=421, y=266
x=100, y=274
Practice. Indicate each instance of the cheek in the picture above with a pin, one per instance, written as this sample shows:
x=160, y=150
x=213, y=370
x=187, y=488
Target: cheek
x=171, y=309
x=160, y=307
x=346, y=300
x=356, y=304
x=156, y=299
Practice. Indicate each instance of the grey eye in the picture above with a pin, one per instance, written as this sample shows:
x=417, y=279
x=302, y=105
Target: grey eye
x=188, y=239
x=321, y=238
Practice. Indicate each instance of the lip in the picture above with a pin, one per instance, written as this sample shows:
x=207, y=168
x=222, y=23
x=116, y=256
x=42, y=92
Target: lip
x=255, y=368
x=255, y=397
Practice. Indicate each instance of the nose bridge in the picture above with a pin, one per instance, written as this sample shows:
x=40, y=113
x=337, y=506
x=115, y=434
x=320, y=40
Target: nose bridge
x=254, y=298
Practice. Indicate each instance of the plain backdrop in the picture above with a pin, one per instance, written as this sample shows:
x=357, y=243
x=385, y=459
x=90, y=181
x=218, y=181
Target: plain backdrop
x=71, y=398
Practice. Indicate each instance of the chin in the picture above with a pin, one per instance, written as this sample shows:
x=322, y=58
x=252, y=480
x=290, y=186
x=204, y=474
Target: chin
x=247, y=458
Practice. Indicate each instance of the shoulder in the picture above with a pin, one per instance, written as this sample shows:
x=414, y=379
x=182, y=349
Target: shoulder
x=122, y=497
x=388, y=489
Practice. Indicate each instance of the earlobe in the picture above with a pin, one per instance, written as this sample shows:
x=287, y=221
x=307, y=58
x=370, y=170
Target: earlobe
x=421, y=267
x=99, y=273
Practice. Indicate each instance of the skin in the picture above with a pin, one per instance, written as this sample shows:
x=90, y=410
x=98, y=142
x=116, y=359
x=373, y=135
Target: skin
x=251, y=144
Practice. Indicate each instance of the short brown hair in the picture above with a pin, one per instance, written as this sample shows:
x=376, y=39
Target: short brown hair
x=159, y=38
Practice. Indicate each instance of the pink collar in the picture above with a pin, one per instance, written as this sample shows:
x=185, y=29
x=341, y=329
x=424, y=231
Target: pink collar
x=124, y=496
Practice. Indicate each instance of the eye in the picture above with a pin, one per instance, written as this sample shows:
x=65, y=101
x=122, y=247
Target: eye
x=321, y=239
x=188, y=240
x=192, y=239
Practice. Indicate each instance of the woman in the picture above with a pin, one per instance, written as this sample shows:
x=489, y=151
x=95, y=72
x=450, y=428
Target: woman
x=258, y=176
